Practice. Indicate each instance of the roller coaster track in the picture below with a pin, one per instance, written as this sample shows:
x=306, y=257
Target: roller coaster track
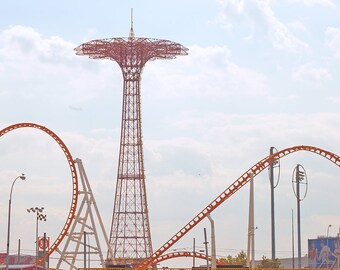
x=172, y=255
x=232, y=189
x=71, y=164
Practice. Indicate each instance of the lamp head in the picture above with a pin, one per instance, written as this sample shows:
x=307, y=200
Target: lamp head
x=35, y=209
x=22, y=177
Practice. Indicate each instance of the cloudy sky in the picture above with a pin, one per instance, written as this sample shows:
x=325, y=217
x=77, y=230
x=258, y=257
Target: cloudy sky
x=259, y=73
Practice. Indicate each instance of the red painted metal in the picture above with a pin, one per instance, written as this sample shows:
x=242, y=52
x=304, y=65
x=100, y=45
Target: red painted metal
x=172, y=255
x=71, y=164
x=130, y=236
x=232, y=189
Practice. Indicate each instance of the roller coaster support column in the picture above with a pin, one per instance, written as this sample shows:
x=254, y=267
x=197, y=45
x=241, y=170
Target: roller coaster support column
x=213, y=243
x=251, y=228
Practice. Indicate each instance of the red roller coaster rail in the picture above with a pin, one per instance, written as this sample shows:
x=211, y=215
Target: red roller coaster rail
x=233, y=188
x=172, y=255
x=73, y=174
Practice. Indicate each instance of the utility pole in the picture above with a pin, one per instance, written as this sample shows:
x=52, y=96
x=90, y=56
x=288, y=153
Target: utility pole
x=300, y=178
x=194, y=251
x=293, y=239
x=272, y=187
x=206, y=247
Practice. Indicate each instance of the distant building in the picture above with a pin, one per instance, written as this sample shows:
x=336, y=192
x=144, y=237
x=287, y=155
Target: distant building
x=288, y=262
x=15, y=259
x=15, y=262
x=21, y=267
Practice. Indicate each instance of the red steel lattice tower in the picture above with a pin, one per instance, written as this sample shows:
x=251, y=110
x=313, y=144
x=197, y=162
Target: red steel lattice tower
x=130, y=237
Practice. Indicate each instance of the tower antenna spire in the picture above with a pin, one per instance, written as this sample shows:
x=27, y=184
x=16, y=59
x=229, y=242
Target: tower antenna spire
x=132, y=34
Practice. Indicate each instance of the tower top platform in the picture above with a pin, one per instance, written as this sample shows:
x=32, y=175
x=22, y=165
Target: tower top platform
x=132, y=50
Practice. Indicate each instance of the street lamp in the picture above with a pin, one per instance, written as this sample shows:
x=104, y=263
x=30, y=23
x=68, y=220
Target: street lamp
x=41, y=217
x=22, y=177
x=328, y=249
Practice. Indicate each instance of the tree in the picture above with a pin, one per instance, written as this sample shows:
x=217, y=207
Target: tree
x=240, y=259
x=268, y=263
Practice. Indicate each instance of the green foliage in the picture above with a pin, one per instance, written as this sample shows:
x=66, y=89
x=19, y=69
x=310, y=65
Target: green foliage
x=268, y=263
x=239, y=259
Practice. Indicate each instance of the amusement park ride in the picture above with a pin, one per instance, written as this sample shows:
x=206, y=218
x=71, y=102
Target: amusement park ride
x=130, y=235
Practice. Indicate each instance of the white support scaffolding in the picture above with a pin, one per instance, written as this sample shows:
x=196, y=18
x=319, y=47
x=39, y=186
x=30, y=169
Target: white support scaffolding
x=77, y=246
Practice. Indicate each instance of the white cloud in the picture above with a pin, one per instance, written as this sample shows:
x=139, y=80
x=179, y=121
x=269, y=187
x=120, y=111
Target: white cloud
x=49, y=68
x=297, y=25
x=51, y=71
x=282, y=98
x=329, y=3
x=262, y=18
x=333, y=40
x=308, y=72
x=334, y=99
x=234, y=9
x=205, y=72
x=22, y=44
x=280, y=35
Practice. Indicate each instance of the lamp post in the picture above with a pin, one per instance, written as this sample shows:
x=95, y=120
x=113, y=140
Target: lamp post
x=22, y=177
x=40, y=216
x=327, y=244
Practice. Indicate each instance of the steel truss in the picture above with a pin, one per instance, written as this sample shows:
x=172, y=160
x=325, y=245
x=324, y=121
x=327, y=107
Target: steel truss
x=84, y=225
x=130, y=236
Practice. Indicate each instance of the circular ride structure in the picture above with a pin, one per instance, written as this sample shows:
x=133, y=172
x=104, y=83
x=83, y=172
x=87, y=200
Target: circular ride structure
x=73, y=175
x=233, y=188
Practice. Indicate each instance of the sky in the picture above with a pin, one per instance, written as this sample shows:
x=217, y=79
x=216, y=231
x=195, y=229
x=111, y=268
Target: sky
x=259, y=73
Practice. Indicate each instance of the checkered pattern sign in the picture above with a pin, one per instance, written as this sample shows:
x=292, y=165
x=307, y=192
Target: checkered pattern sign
x=41, y=217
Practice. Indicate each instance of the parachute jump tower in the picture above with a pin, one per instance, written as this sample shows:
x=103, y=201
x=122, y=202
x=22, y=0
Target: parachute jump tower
x=130, y=238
